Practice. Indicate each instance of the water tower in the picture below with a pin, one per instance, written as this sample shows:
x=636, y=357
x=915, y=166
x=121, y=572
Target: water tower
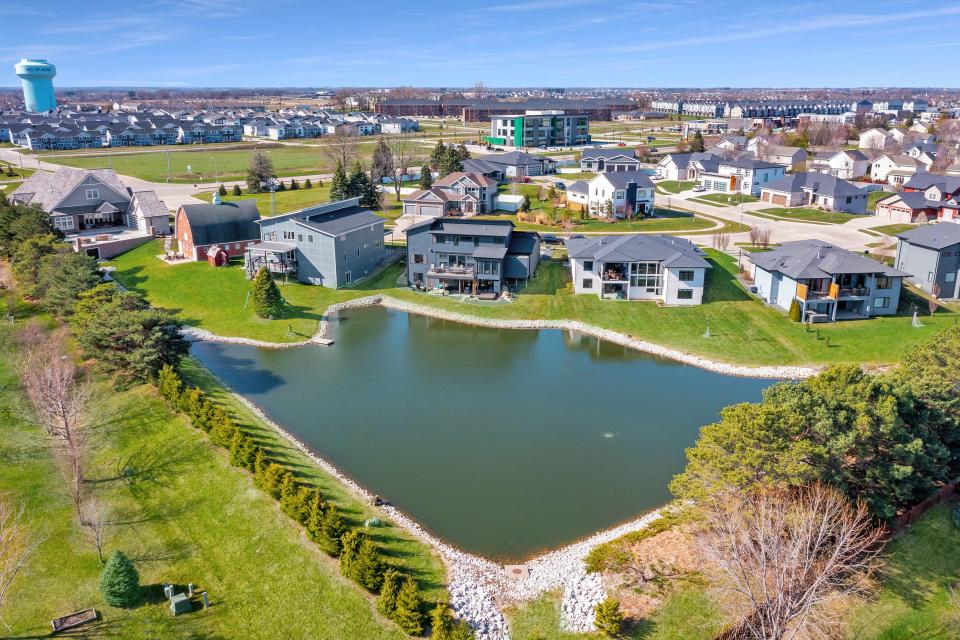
x=37, y=78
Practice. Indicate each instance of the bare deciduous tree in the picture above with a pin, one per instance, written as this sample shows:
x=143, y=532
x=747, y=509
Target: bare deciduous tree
x=406, y=154
x=755, y=236
x=17, y=543
x=933, y=302
x=721, y=241
x=784, y=557
x=93, y=519
x=340, y=146
x=764, y=237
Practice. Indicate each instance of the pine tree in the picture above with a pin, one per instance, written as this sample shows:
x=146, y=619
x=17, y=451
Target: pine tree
x=260, y=172
x=307, y=184
x=441, y=621
x=120, y=582
x=450, y=162
x=426, y=177
x=462, y=631
x=260, y=461
x=287, y=493
x=222, y=190
x=349, y=550
x=293, y=184
x=281, y=186
x=462, y=152
x=408, y=614
x=270, y=477
x=387, y=602
x=236, y=190
x=357, y=181
x=267, y=301
x=316, y=508
x=170, y=384
x=696, y=143
x=339, y=185
x=369, y=566
x=608, y=618
x=438, y=154
x=525, y=204
x=332, y=531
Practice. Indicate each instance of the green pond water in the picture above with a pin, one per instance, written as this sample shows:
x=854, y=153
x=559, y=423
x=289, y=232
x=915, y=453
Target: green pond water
x=502, y=442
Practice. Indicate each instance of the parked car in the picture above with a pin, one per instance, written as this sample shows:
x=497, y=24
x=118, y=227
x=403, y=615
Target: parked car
x=549, y=238
x=562, y=186
x=699, y=187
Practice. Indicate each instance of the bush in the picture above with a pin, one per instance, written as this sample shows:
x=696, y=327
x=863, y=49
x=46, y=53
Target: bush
x=795, y=313
x=441, y=622
x=307, y=184
x=608, y=618
x=267, y=301
x=408, y=614
x=332, y=530
x=236, y=190
x=387, y=602
x=222, y=190
x=369, y=566
x=349, y=550
x=120, y=582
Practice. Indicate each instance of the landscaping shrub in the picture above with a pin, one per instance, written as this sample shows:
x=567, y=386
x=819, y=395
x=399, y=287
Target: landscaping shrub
x=608, y=618
x=441, y=622
x=332, y=530
x=271, y=477
x=267, y=301
x=307, y=184
x=120, y=582
x=408, y=613
x=349, y=550
x=795, y=313
x=387, y=602
x=369, y=566
x=236, y=190
x=222, y=190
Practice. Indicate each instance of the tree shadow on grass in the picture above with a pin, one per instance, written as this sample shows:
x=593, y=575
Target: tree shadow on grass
x=164, y=553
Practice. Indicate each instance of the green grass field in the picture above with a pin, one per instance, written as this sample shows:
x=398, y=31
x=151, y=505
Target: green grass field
x=893, y=229
x=287, y=201
x=874, y=196
x=807, y=215
x=184, y=516
x=743, y=330
x=727, y=200
x=665, y=221
x=675, y=186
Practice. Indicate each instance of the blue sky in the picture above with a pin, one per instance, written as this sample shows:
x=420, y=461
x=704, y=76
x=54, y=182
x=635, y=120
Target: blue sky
x=657, y=43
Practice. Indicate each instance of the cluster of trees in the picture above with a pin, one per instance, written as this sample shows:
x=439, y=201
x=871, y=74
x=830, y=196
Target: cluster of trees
x=357, y=185
x=887, y=439
x=448, y=158
x=360, y=558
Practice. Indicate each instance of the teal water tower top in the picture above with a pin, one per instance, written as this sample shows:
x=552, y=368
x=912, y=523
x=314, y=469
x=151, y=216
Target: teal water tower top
x=37, y=75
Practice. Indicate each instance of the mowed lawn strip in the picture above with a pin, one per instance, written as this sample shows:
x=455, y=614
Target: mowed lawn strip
x=809, y=215
x=743, y=331
x=183, y=515
x=297, y=199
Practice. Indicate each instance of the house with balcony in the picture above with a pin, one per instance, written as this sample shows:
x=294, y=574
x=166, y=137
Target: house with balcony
x=332, y=245
x=456, y=194
x=743, y=175
x=470, y=256
x=638, y=266
x=827, y=282
x=618, y=195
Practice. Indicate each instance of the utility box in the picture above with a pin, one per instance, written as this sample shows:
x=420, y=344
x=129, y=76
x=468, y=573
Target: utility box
x=180, y=604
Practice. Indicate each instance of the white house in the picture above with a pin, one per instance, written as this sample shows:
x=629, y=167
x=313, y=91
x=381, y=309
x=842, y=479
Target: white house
x=673, y=166
x=841, y=164
x=894, y=169
x=620, y=194
x=637, y=266
x=745, y=175
x=874, y=139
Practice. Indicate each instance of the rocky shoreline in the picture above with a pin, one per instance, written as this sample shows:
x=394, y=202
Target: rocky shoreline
x=324, y=336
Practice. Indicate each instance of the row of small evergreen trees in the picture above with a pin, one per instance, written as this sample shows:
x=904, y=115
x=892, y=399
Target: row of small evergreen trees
x=360, y=558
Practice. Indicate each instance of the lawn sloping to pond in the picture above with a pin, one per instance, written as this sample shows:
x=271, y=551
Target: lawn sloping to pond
x=743, y=330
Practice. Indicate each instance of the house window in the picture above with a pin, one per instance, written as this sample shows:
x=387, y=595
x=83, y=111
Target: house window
x=883, y=282
x=347, y=278
x=93, y=194
x=309, y=238
x=881, y=303
x=684, y=294
x=950, y=277
x=63, y=223
x=299, y=237
x=358, y=252
x=588, y=265
x=288, y=235
x=587, y=283
x=418, y=258
x=686, y=275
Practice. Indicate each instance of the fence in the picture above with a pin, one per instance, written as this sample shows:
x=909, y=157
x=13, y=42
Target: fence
x=913, y=514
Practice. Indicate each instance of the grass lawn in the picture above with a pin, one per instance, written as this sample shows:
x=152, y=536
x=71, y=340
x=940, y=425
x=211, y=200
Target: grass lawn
x=893, y=229
x=806, y=214
x=579, y=175
x=183, y=515
x=287, y=201
x=743, y=330
x=727, y=200
x=874, y=196
x=204, y=165
x=665, y=221
x=675, y=186
x=18, y=173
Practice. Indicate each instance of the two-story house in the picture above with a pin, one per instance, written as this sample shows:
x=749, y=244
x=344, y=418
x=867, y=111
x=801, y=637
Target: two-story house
x=638, y=266
x=458, y=193
x=932, y=254
x=827, y=282
x=470, y=256
x=332, y=245
x=619, y=194
x=847, y=164
x=744, y=175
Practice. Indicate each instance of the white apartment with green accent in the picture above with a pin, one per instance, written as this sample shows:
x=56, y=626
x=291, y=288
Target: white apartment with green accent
x=536, y=128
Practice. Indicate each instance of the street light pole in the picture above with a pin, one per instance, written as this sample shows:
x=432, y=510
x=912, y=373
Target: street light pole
x=216, y=168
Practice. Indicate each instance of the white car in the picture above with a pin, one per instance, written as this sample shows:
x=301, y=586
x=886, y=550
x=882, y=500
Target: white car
x=699, y=188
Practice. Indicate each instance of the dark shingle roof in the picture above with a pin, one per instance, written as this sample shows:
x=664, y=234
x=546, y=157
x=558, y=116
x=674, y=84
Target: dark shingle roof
x=225, y=222
x=934, y=236
x=820, y=183
x=817, y=259
x=340, y=220
x=671, y=251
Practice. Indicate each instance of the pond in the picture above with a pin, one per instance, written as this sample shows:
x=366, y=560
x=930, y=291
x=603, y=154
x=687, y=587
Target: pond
x=502, y=442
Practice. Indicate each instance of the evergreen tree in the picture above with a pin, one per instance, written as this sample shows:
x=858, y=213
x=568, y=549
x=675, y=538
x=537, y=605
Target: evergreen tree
x=19, y=223
x=438, y=154
x=281, y=186
x=462, y=152
x=28, y=258
x=222, y=190
x=525, y=204
x=608, y=618
x=239, y=449
x=350, y=545
x=462, y=631
x=293, y=184
x=408, y=614
x=357, y=181
x=170, y=384
x=696, y=143
x=307, y=184
x=387, y=602
x=339, y=185
x=426, y=178
x=270, y=477
x=260, y=172
x=332, y=531
x=315, y=508
x=120, y=582
x=260, y=461
x=63, y=277
x=441, y=621
x=267, y=301
x=450, y=162
x=369, y=566
x=236, y=190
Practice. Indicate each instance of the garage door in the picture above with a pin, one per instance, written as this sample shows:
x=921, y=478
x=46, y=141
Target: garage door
x=779, y=200
x=431, y=210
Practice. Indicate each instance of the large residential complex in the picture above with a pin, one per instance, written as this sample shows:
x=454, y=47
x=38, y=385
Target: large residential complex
x=827, y=282
x=481, y=110
x=539, y=129
x=470, y=255
x=638, y=267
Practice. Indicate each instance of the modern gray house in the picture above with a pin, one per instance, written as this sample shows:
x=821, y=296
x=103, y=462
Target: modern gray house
x=331, y=245
x=932, y=254
x=468, y=255
x=827, y=282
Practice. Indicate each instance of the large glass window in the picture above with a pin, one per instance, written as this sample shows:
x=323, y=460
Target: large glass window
x=648, y=275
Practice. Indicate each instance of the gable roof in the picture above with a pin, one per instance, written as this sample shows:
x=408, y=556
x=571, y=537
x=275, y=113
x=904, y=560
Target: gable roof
x=819, y=183
x=924, y=180
x=933, y=236
x=150, y=205
x=817, y=259
x=47, y=190
x=621, y=179
x=670, y=250
x=477, y=178
x=607, y=154
x=225, y=222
